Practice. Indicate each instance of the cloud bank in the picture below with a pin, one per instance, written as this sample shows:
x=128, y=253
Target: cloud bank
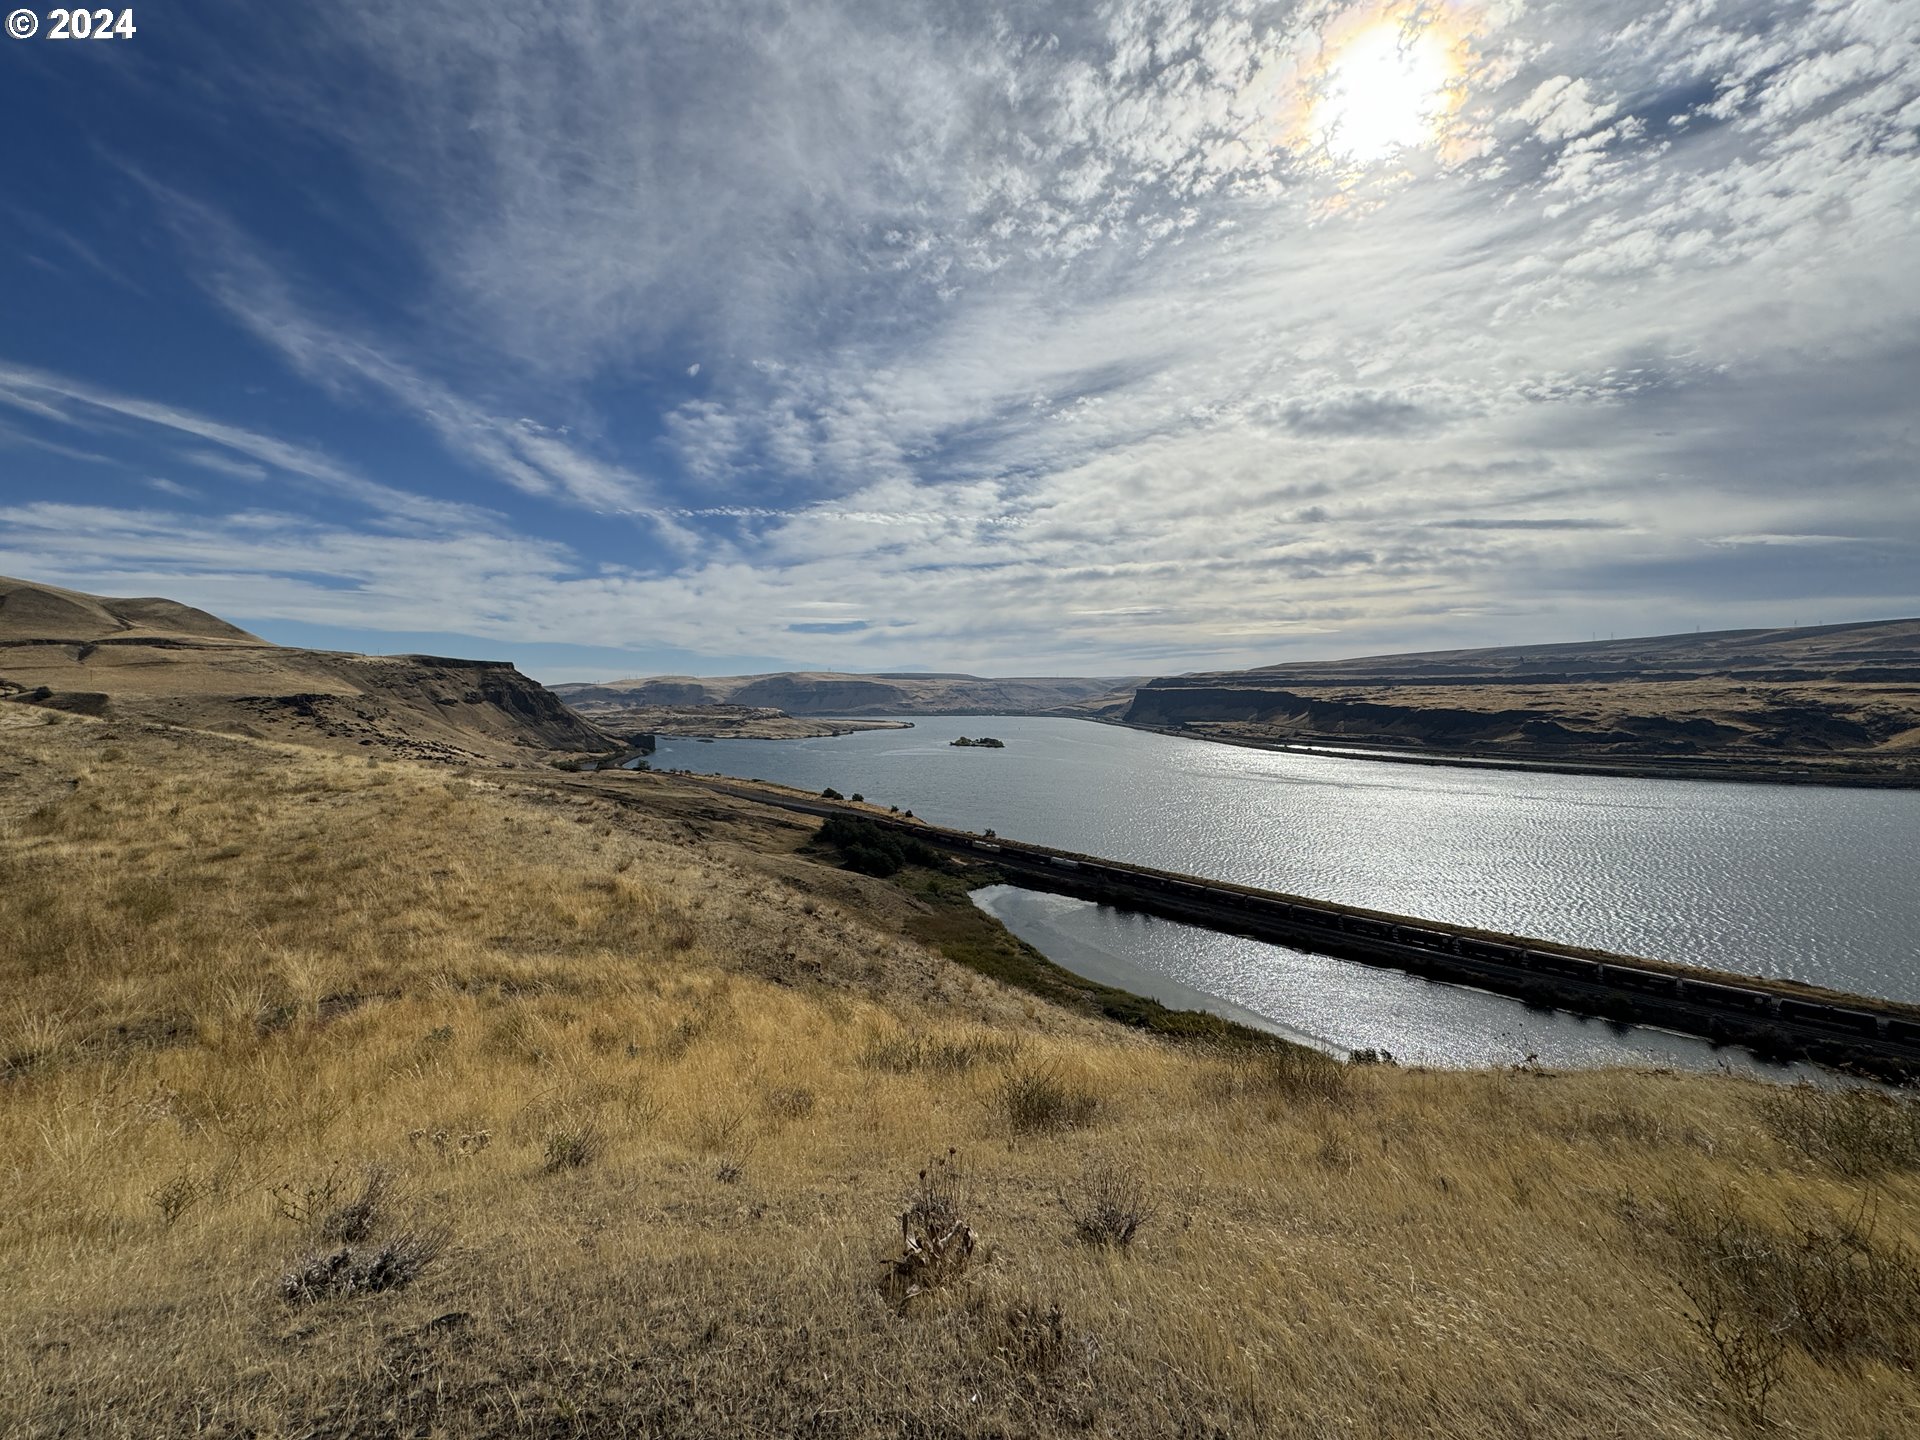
x=1035, y=338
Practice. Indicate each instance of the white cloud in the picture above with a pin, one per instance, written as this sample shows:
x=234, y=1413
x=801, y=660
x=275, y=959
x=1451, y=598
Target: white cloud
x=85, y=407
x=1059, y=340
x=1562, y=107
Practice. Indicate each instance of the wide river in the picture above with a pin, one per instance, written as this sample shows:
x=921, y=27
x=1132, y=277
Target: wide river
x=1820, y=883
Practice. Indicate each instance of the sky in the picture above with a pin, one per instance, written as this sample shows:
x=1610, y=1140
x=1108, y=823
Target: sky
x=1137, y=338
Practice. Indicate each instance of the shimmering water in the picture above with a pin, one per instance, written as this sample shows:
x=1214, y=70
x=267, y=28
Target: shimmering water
x=1337, y=1005
x=1815, y=882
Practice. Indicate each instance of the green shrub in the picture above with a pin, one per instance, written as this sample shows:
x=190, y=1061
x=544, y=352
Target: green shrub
x=868, y=848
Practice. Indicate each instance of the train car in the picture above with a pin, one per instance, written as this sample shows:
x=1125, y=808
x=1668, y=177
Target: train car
x=1494, y=950
x=1631, y=977
x=985, y=845
x=1063, y=862
x=1573, y=967
x=1733, y=997
x=1809, y=1012
x=1902, y=1029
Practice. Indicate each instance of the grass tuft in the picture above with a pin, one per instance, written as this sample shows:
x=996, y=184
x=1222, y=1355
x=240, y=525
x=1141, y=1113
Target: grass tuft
x=1294, y=1074
x=1038, y=1099
x=909, y=1051
x=346, y=1271
x=1109, y=1205
x=571, y=1146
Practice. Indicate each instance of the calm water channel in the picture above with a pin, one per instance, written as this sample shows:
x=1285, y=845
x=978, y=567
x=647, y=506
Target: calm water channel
x=1815, y=882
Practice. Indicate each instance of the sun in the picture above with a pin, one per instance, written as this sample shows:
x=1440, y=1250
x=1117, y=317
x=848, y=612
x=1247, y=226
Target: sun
x=1387, y=88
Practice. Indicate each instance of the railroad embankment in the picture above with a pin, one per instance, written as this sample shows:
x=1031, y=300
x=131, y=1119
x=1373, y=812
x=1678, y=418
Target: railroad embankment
x=1778, y=1019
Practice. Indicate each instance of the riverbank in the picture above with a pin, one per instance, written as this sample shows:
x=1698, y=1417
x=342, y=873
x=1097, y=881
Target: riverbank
x=1798, y=770
x=1778, y=1019
x=730, y=722
x=1759, y=879
x=413, y=1097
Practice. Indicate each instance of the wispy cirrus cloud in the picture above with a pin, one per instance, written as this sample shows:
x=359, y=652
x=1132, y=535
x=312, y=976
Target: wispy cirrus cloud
x=1089, y=334
x=82, y=406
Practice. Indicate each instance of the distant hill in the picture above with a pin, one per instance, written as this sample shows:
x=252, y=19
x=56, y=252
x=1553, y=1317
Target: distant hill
x=1826, y=694
x=42, y=613
x=1873, y=651
x=154, y=659
x=832, y=693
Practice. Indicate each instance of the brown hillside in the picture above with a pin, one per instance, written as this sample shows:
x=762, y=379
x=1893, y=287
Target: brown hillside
x=369, y=1101
x=832, y=693
x=46, y=612
x=1838, y=698
x=157, y=660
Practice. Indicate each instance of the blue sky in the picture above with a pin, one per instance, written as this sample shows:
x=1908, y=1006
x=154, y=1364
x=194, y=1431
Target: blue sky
x=1135, y=338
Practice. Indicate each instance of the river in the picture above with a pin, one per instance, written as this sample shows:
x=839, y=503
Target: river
x=1819, y=883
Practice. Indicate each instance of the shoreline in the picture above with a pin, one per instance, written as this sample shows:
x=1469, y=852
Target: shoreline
x=1775, y=1018
x=1704, y=768
x=785, y=727
x=1642, y=769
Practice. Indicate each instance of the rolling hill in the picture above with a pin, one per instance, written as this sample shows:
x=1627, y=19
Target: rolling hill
x=832, y=693
x=157, y=660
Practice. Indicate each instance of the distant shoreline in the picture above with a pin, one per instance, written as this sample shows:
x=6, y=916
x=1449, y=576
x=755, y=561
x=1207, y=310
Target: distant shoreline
x=1692, y=768
x=1640, y=768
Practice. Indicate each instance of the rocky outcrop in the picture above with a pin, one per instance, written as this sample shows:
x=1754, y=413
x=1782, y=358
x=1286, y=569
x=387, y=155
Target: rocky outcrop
x=158, y=660
x=1830, y=693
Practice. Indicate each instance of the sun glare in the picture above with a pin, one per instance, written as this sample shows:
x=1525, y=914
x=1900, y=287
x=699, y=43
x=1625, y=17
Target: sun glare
x=1386, y=90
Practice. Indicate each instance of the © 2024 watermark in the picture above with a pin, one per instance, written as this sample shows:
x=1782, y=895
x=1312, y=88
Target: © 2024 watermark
x=102, y=24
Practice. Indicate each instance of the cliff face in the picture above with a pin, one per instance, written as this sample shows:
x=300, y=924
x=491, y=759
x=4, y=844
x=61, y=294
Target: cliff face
x=1366, y=720
x=157, y=660
x=1836, y=691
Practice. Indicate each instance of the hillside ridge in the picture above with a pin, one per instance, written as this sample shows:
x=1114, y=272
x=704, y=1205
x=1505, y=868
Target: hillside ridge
x=827, y=692
x=1841, y=698
x=158, y=660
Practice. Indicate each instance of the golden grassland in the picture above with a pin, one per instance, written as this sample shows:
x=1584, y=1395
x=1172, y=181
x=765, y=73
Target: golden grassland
x=610, y=1114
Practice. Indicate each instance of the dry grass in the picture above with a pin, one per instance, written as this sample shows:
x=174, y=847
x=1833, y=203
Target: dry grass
x=231, y=972
x=1110, y=1204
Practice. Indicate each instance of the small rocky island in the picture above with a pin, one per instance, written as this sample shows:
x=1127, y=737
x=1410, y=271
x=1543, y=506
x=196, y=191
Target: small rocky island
x=986, y=742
